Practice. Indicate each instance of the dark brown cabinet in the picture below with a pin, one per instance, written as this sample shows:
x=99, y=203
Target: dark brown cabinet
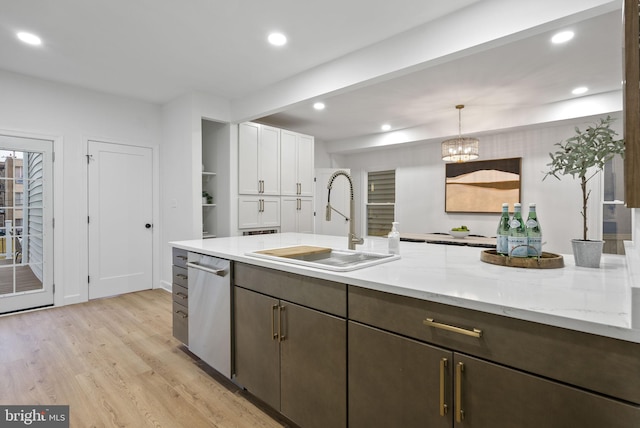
x=292, y=354
x=472, y=369
x=257, y=347
x=396, y=381
x=327, y=354
x=490, y=395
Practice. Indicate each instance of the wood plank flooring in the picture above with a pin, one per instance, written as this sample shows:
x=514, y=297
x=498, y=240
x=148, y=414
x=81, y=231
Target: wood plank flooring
x=25, y=279
x=115, y=363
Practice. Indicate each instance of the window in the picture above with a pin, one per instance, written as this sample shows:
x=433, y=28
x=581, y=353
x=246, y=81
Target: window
x=616, y=218
x=381, y=198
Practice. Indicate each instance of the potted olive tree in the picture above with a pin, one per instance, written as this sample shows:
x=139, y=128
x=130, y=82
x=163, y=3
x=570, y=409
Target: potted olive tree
x=583, y=156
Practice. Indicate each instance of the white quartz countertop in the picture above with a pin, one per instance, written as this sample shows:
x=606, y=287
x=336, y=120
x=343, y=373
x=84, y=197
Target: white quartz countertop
x=598, y=301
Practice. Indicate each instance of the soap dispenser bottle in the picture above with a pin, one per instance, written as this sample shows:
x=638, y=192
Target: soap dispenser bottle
x=394, y=239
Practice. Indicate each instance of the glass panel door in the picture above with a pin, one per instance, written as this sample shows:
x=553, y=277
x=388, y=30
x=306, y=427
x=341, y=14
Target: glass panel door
x=616, y=217
x=26, y=273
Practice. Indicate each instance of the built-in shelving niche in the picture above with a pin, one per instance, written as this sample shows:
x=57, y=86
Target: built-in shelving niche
x=216, y=146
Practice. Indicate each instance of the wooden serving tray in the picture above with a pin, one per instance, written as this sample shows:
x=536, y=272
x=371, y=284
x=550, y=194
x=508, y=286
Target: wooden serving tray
x=546, y=261
x=299, y=250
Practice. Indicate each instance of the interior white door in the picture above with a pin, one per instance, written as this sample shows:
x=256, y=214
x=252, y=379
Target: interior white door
x=338, y=226
x=120, y=218
x=26, y=223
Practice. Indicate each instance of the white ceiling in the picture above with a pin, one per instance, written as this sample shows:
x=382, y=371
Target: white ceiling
x=519, y=75
x=156, y=50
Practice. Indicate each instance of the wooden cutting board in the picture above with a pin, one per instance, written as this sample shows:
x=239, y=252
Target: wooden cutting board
x=298, y=250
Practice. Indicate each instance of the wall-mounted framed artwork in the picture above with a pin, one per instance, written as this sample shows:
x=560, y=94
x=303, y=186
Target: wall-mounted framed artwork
x=482, y=186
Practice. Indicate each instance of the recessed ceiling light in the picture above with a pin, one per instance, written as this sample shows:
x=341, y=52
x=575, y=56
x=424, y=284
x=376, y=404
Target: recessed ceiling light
x=580, y=90
x=29, y=38
x=562, y=37
x=277, y=39
x=385, y=127
x=318, y=106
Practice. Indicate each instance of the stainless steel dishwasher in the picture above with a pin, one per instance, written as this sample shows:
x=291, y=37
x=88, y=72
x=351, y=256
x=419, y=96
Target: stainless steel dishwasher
x=210, y=310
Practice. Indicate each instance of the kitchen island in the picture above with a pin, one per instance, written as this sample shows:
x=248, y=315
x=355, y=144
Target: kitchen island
x=597, y=301
x=555, y=346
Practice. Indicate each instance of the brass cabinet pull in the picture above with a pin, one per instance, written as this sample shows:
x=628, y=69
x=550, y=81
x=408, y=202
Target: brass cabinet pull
x=181, y=276
x=182, y=314
x=443, y=405
x=181, y=295
x=299, y=188
x=459, y=410
x=274, y=334
x=280, y=310
x=473, y=333
x=299, y=204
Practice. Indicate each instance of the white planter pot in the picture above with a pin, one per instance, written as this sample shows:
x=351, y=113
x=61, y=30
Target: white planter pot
x=587, y=253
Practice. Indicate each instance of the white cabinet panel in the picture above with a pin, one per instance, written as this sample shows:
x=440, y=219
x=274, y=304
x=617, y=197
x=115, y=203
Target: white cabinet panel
x=296, y=175
x=269, y=156
x=258, y=159
x=297, y=215
x=248, y=137
x=256, y=212
x=305, y=165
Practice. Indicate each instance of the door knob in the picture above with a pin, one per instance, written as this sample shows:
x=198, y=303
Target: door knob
x=148, y=225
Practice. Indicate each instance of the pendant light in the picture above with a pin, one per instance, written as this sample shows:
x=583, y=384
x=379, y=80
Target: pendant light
x=460, y=149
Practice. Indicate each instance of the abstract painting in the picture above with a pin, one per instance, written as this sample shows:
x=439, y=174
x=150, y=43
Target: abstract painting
x=482, y=186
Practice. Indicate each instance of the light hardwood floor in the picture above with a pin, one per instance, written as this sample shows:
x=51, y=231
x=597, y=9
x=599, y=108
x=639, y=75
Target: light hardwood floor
x=115, y=363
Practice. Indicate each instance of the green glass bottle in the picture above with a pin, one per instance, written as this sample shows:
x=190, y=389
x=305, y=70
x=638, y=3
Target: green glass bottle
x=502, y=234
x=534, y=233
x=517, y=234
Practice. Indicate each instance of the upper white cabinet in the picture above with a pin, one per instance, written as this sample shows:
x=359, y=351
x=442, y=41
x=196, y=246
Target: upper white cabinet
x=296, y=174
x=258, y=159
x=275, y=162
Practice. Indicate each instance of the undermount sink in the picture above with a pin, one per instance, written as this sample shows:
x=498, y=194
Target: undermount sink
x=325, y=258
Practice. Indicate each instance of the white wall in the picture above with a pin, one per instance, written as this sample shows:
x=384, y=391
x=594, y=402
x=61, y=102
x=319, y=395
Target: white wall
x=420, y=179
x=73, y=116
x=181, y=166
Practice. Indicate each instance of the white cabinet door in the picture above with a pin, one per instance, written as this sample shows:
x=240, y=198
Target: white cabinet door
x=289, y=164
x=255, y=212
x=270, y=212
x=305, y=216
x=297, y=215
x=258, y=159
x=305, y=165
x=269, y=156
x=296, y=168
x=248, y=178
x=289, y=215
x=248, y=212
